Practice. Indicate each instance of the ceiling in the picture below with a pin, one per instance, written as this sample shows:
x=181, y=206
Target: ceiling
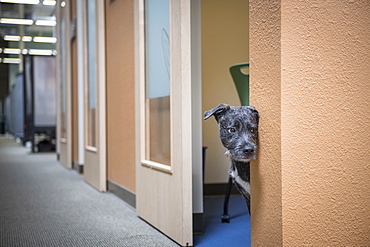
x=29, y=39
x=26, y=11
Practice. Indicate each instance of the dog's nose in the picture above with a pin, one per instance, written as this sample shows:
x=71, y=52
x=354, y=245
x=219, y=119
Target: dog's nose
x=248, y=150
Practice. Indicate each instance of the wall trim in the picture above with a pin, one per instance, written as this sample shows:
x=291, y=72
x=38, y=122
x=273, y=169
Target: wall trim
x=218, y=189
x=78, y=167
x=198, y=223
x=122, y=193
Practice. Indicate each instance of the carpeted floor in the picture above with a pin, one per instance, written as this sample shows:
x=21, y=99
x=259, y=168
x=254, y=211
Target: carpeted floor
x=44, y=204
x=217, y=234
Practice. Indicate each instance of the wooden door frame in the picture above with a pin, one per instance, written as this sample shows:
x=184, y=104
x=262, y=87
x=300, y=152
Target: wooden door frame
x=64, y=144
x=181, y=137
x=95, y=157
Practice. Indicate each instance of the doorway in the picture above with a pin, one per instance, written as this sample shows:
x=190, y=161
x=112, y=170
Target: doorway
x=225, y=42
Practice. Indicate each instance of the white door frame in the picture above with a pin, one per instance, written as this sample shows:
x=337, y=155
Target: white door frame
x=197, y=114
x=81, y=77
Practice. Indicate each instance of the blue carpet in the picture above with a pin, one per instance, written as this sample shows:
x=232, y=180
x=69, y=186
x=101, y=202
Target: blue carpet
x=235, y=233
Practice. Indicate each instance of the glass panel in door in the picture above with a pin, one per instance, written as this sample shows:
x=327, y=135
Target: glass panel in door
x=158, y=109
x=63, y=116
x=91, y=74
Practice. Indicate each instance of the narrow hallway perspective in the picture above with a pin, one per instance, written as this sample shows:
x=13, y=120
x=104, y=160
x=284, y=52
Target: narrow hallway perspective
x=44, y=204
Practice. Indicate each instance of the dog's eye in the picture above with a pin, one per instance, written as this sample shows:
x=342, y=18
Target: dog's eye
x=231, y=130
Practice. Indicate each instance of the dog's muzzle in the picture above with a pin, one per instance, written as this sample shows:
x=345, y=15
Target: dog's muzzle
x=243, y=155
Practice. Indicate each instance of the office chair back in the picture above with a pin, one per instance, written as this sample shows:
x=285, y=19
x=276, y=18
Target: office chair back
x=241, y=81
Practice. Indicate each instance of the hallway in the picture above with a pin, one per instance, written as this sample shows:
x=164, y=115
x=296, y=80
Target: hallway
x=44, y=204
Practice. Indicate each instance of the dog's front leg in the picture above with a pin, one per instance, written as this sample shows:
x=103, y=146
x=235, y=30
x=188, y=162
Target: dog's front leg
x=240, y=173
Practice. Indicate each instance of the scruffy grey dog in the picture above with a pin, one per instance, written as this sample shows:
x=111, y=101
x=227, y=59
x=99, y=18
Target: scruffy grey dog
x=238, y=133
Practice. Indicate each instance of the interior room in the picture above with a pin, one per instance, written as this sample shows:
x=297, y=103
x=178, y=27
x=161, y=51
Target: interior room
x=225, y=42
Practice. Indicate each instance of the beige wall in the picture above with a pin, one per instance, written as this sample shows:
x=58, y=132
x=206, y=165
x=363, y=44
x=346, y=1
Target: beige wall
x=224, y=43
x=310, y=82
x=74, y=71
x=265, y=95
x=120, y=93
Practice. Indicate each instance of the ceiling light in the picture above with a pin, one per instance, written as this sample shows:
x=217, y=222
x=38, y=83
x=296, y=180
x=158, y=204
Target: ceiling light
x=27, y=38
x=40, y=52
x=16, y=21
x=45, y=39
x=24, y=52
x=45, y=23
x=63, y=4
x=12, y=37
x=12, y=51
x=49, y=2
x=21, y=1
x=11, y=60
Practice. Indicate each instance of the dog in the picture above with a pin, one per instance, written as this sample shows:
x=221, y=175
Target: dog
x=238, y=133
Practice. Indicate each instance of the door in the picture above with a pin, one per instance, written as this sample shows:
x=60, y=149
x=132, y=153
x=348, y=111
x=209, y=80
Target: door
x=164, y=167
x=64, y=126
x=95, y=138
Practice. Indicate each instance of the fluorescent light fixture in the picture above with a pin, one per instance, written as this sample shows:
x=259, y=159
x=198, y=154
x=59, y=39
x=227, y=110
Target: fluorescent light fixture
x=45, y=23
x=11, y=60
x=21, y=1
x=12, y=51
x=45, y=39
x=49, y=2
x=40, y=52
x=12, y=37
x=16, y=21
x=27, y=38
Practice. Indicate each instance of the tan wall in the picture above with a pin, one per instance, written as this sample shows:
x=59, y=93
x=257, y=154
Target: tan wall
x=313, y=93
x=120, y=93
x=265, y=95
x=74, y=90
x=224, y=43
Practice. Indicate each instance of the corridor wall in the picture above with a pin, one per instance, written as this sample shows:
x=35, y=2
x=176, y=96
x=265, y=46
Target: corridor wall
x=120, y=93
x=309, y=81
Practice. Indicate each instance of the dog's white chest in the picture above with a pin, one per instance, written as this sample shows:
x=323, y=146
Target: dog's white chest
x=237, y=179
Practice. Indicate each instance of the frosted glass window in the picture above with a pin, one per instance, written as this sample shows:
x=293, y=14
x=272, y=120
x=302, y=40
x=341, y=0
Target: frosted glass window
x=91, y=37
x=44, y=90
x=64, y=84
x=157, y=19
x=91, y=90
x=157, y=55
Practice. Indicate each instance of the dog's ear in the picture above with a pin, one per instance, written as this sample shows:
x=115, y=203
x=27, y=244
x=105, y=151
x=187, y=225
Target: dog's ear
x=220, y=109
x=255, y=112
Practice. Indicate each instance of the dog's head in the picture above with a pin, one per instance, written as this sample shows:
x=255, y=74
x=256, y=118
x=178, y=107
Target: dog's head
x=238, y=130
